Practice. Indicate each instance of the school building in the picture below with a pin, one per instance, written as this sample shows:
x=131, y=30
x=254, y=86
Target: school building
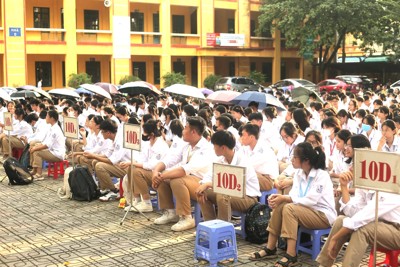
x=108, y=39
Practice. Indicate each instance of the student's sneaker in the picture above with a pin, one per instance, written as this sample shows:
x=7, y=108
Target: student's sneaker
x=129, y=206
x=104, y=192
x=167, y=217
x=185, y=223
x=109, y=197
x=143, y=207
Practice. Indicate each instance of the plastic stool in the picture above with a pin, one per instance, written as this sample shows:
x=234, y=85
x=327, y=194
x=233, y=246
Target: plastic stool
x=242, y=216
x=121, y=188
x=392, y=257
x=315, y=242
x=215, y=241
x=56, y=168
x=266, y=194
x=17, y=152
x=196, y=212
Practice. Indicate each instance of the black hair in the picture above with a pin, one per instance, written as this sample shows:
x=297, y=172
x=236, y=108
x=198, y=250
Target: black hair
x=146, y=117
x=53, y=114
x=77, y=108
x=134, y=119
x=176, y=127
x=316, y=134
x=20, y=112
x=370, y=119
x=224, y=121
x=389, y=123
x=300, y=117
x=288, y=128
x=251, y=129
x=256, y=116
x=169, y=112
x=189, y=110
x=332, y=122
x=223, y=138
x=247, y=111
x=97, y=119
x=205, y=114
x=270, y=112
x=109, y=110
x=344, y=113
x=221, y=109
x=122, y=110
x=358, y=141
x=196, y=123
x=238, y=109
x=31, y=117
x=151, y=127
x=316, y=156
x=109, y=126
x=385, y=109
x=343, y=134
x=175, y=109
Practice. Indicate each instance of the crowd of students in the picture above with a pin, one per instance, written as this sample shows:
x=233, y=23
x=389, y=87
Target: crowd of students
x=304, y=152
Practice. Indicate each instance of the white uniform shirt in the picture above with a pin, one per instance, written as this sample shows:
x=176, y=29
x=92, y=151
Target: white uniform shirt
x=361, y=208
x=55, y=141
x=329, y=149
x=395, y=147
x=121, y=154
x=42, y=128
x=351, y=125
x=262, y=158
x=286, y=151
x=316, y=192
x=374, y=138
x=195, y=161
x=101, y=146
x=239, y=159
x=339, y=163
x=151, y=155
x=177, y=145
x=21, y=128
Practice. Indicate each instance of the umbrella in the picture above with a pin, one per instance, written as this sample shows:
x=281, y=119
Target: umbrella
x=83, y=91
x=8, y=90
x=4, y=95
x=42, y=93
x=26, y=87
x=96, y=89
x=139, y=87
x=186, y=90
x=262, y=99
x=64, y=92
x=222, y=97
x=25, y=94
x=302, y=94
x=110, y=88
x=206, y=91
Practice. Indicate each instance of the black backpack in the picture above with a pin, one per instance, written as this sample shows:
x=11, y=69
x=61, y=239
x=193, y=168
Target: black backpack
x=256, y=223
x=17, y=174
x=25, y=156
x=83, y=187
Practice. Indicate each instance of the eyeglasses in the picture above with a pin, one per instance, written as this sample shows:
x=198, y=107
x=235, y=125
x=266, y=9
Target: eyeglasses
x=347, y=146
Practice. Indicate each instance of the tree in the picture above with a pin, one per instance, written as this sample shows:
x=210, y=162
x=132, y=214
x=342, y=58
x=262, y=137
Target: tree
x=258, y=77
x=171, y=78
x=322, y=25
x=128, y=78
x=75, y=80
x=210, y=81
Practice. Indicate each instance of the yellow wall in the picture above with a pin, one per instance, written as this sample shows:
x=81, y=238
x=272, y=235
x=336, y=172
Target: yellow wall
x=55, y=11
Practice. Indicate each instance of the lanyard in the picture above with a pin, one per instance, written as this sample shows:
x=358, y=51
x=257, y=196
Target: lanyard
x=301, y=193
x=332, y=147
x=291, y=149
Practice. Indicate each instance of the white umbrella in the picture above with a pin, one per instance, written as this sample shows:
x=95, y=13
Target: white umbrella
x=8, y=90
x=96, y=89
x=43, y=93
x=64, y=92
x=139, y=87
x=186, y=90
x=4, y=95
x=222, y=97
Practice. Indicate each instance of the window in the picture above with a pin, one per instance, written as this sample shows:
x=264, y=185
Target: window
x=139, y=70
x=93, y=69
x=43, y=72
x=41, y=17
x=267, y=71
x=137, y=21
x=91, y=19
x=178, y=24
x=156, y=27
x=231, y=25
x=63, y=73
x=179, y=67
x=156, y=71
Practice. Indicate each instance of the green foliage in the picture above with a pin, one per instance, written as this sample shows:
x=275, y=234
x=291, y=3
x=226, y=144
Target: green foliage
x=128, y=78
x=258, y=77
x=171, y=78
x=75, y=80
x=210, y=81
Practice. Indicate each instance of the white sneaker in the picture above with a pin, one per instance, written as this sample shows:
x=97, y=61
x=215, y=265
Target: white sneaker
x=109, y=197
x=130, y=206
x=185, y=223
x=167, y=217
x=143, y=207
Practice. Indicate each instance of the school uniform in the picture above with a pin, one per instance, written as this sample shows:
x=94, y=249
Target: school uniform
x=374, y=137
x=350, y=125
x=395, y=147
x=40, y=131
x=330, y=149
x=20, y=128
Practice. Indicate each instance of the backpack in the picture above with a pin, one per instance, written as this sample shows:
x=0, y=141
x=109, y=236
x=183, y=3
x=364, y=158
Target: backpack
x=17, y=174
x=25, y=156
x=82, y=185
x=256, y=223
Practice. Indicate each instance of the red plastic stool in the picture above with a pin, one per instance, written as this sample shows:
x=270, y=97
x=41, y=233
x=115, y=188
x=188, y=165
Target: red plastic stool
x=392, y=257
x=56, y=168
x=17, y=152
x=121, y=188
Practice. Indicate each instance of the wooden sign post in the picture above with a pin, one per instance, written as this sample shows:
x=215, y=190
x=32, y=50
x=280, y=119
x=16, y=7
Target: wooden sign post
x=378, y=171
x=229, y=180
x=71, y=130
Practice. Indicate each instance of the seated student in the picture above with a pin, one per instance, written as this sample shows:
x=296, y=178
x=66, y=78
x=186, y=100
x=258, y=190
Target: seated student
x=223, y=122
x=139, y=179
x=52, y=149
x=178, y=176
x=40, y=126
x=358, y=223
x=390, y=141
x=310, y=204
x=79, y=144
x=224, y=144
x=260, y=155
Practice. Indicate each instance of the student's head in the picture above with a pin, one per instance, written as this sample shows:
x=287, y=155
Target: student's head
x=52, y=117
x=355, y=141
x=222, y=141
x=249, y=133
x=314, y=138
x=368, y=123
x=176, y=127
x=222, y=123
x=95, y=122
x=341, y=138
x=306, y=155
x=11, y=107
x=237, y=112
x=384, y=113
x=218, y=110
x=288, y=132
x=389, y=129
x=270, y=113
x=256, y=118
x=32, y=119
x=194, y=129
x=109, y=112
x=300, y=116
x=108, y=129
x=331, y=126
x=122, y=113
x=150, y=130
x=19, y=114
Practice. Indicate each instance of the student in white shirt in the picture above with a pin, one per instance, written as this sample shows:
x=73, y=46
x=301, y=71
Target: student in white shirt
x=390, y=141
x=224, y=123
x=224, y=144
x=40, y=128
x=310, y=204
x=11, y=109
x=110, y=113
x=358, y=224
x=330, y=126
x=346, y=121
x=369, y=129
x=301, y=117
x=52, y=149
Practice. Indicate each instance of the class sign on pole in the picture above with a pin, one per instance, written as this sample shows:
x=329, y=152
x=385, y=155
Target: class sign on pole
x=8, y=121
x=71, y=127
x=229, y=180
x=132, y=136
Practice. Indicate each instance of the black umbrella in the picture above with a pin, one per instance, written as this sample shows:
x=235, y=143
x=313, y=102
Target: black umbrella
x=25, y=94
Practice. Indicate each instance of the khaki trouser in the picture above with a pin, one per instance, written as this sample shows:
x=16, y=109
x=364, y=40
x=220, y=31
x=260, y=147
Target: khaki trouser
x=286, y=190
x=104, y=172
x=266, y=182
x=86, y=162
x=15, y=142
x=225, y=205
x=140, y=181
x=283, y=166
x=39, y=156
x=183, y=189
x=388, y=236
x=287, y=217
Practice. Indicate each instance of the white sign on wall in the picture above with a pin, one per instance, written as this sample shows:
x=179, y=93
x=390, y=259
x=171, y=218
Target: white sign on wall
x=122, y=37
x=229, y=180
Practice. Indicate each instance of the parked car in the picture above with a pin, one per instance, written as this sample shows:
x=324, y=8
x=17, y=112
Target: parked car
x=329, y=85
x=359, y=81
x=239, y=84
x=289, y=84
x=395, y=85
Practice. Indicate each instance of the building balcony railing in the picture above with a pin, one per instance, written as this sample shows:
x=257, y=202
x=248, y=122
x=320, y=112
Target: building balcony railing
x=94, y=36
x=45, y=35
x=146, y=38
x=261, y=42
x=185, y=39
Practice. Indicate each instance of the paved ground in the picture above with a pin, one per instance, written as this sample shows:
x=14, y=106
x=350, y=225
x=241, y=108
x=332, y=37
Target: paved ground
x=39, y=229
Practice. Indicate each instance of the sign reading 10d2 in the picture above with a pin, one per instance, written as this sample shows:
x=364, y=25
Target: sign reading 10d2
x=229, y=180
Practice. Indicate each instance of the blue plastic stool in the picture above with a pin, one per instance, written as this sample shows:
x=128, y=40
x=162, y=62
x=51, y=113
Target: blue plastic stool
x=197, y=212
x=215, y=241
x=266, y=194
x=312, y=247
x=242, y=216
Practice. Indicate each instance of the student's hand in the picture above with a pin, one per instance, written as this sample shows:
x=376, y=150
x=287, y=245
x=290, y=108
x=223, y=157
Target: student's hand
x=125, y=164
x=345, y=178
x=274, y=200
x=156, y=179
x=332, y=248
x=286, y=183
x=88, y=155
x=23, y=139
x=200, y=193
x=82, y=131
